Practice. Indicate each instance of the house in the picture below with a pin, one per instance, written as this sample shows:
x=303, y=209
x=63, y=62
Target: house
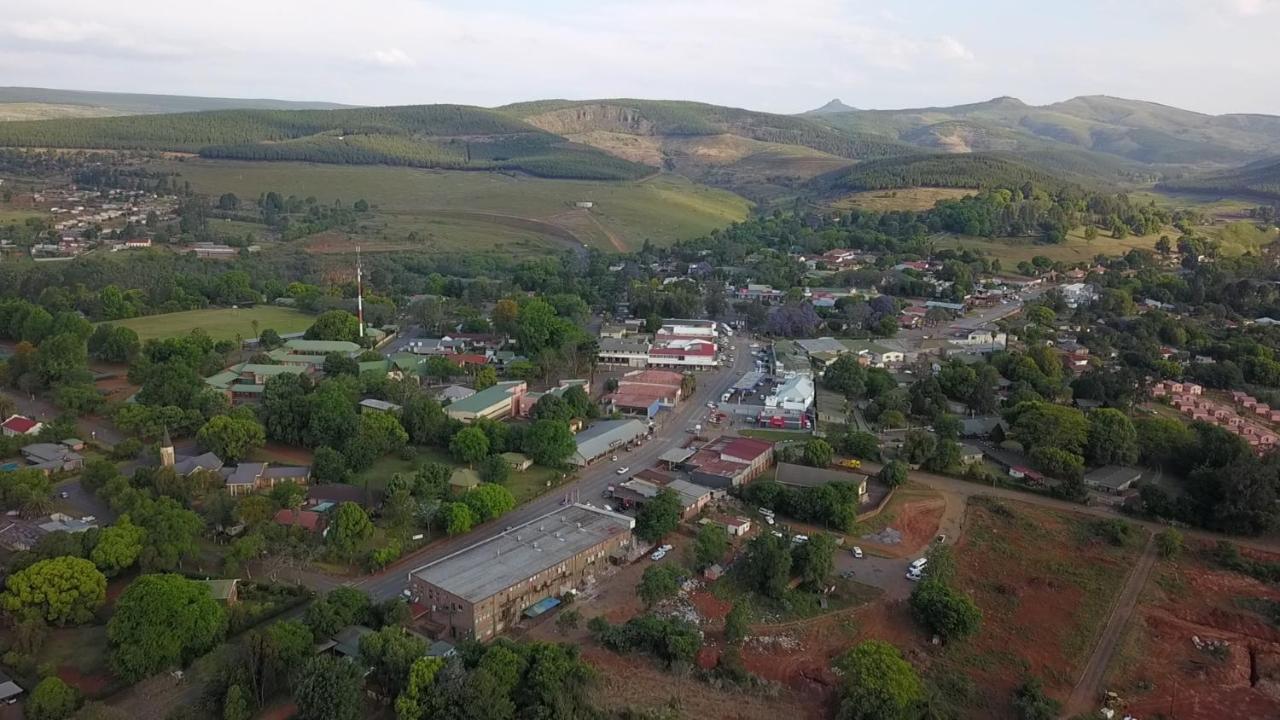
x=462, y=480
x=519, y=462
x=1019, y=472
x=803, y=476
x=1076, y=294
x=9, y=690
x=606, y=437
x=970, y=454
x=1112, y=478
x=224, y=591
x=308, y=520
x=59, y=522
x=638, y=490
x=529, y=399
x=369, y=405
x=346, y=642
x=248, y=478
x=795, y=394
x=20, y=425
x=682, y=353
x=622, y=351
x=187, y=465
x=495, y=403
x=736, y=526
x=52, y=457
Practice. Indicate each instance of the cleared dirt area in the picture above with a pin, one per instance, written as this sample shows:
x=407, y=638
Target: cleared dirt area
x=1045, y=582
x=1234, y=671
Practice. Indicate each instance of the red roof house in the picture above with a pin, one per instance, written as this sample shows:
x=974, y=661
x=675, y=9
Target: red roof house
x=19, y=425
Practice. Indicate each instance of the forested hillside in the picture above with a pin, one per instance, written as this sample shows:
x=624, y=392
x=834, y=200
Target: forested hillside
x=1260, y=179
x=955, y=171
x=114, y=103
x=437, y=136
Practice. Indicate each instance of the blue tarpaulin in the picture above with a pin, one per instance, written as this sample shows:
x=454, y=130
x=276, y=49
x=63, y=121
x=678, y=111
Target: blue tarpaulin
x=540, y=607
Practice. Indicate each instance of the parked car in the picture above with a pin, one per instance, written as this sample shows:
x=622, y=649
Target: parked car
x=665, y=548
x=857, y=551
x=657, y=555
x=914, y=576
x=623, y=470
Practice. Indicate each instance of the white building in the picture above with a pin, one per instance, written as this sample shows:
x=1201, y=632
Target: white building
x=795, y=394
x=1076, y=294
x=692, y=354
x=625, y=352
x=684, y=329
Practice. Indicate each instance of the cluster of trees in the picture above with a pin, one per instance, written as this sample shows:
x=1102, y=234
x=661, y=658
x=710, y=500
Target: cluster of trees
x=770, y=562
x=938, y=605
x=1061, y=440
x=672, y=640
x=834, y=505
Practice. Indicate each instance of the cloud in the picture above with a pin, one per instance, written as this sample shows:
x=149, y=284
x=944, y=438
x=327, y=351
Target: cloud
x=953, y=49
x=391, y=58
x=86, y=37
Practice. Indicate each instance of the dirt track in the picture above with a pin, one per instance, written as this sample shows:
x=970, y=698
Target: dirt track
x=1088, y=689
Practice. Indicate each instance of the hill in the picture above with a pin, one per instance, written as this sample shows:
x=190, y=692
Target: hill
x=431, y=136
x=1135, y=130
x=977, y=170
x=1259, y=179
x=834, y=106
x=28, y=103
x=760, y=155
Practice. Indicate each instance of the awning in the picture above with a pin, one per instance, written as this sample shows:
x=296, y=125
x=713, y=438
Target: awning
x=540, y=607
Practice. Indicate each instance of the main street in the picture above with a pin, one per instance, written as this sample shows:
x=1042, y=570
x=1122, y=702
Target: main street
x=591, y=483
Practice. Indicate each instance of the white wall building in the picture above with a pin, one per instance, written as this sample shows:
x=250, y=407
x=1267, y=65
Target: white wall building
x=795, y=394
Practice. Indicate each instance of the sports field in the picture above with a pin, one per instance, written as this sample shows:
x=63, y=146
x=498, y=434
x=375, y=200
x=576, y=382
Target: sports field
x=220, y=323
x=473, y=211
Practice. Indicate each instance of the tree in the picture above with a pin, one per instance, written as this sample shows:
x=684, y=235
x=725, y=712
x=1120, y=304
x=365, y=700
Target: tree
x=350, y=528
x=710, y=545
x=60, y=358
x=658, y=583
x=328, y=688
x=495, y=469
x=232, y=437
x=488, y=501
x=1169, y=543
x=171, y=533
x=817, y=453
x=766, y=565
x=1057, y=463
x=336, y=363
x=549, y=443
x=737, y=623
x=470, y=445
x=919, y=446
x=893, y=473
x=335, y=325
x=878, y=683
x=377, y=434
x=118, y=547
x=486, y=377
x=1044, y=424
x=52, y=699
x=390, y=653
x=1031, y=702
x=860, y=444
x=235, y=706
x=412, y=704
x=61, y=590
x=659, y=516
x=944, y=610
x=815, y=560
x=1112, y=438
x=162, y=621
x=458, y=518
x=329, y=466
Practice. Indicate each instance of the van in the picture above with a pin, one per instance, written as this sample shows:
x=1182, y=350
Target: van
x=918, y=564
x=725, y=397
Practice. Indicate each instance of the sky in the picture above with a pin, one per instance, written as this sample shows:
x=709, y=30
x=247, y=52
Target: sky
x=787, y=56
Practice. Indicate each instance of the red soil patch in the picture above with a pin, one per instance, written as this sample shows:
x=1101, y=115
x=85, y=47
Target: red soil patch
x=709, y=606
x=89, y=685
x=1164, y=672
x=918, y=521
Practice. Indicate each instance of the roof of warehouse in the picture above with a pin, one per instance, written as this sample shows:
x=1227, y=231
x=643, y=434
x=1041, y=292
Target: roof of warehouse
x=491, y=566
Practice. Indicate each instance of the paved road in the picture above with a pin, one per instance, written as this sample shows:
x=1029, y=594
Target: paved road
x=588, y=488
x=1088, y=690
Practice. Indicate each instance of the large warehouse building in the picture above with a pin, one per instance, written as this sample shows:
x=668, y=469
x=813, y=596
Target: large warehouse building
x=486, y=588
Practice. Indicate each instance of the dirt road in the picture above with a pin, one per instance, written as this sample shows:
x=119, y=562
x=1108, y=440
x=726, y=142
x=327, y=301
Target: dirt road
x=1084, y=698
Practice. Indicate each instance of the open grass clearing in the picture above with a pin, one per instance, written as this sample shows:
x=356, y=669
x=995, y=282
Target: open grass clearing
x=663, y=208
x=922, y=198
x=219, y=323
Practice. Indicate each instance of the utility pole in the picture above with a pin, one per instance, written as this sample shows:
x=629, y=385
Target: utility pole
x=359, y=292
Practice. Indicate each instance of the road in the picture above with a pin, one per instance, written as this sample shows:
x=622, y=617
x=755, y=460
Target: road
x=587, y=488
x=1087, y=693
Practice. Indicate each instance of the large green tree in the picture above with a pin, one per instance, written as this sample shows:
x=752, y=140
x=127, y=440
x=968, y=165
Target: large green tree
x=659, y=516
x=878, y=684
x=232, y=437
x=390, y=653
x=328, y=688
x=334, y=325
x=350, y=527
x=52, y=699
x=470, y=445
x=549, y=443
x=658, y=583
x=119, y=546
x=1112, y=438
x=488, y=501
x=61, y=590
x=162, y=621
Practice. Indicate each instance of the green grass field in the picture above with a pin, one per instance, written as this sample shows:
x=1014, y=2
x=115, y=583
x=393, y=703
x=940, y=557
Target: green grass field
x=220, y=323
x=664, y=208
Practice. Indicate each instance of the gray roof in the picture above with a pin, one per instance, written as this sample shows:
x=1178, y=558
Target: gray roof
x=246, y=473
x=980, y=425
x=604, y=436
x=622, y=345
x=1115, y=477
x=188, y=465
x=50, y=453
x=455, y=392
x=822, y=344
x=491, y=566
x=288, y=472
x=805, y=476
x=677, y=455
x=8, y=688
x=376, y=404
x=689, y=493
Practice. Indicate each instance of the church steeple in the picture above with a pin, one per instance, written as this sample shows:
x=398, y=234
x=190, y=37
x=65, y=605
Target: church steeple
x=167, y=455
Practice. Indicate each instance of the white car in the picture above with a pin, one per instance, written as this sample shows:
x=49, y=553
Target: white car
x=857, y=552
x=665, y=548
x=755, y=345
x=623, y=470
x=914, y=576
x=768, y=519
x=799, y=539
x=658, y=555
x=711, y=405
